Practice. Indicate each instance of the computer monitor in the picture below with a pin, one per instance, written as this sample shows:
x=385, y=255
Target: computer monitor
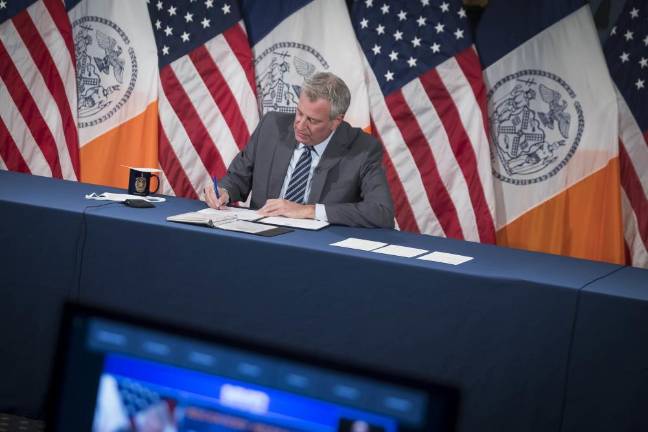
x=115, y=373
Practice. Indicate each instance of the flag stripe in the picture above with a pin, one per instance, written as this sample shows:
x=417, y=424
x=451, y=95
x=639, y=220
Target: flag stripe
x=461, y=145
x=469, y=64
x=238, y=42
x=404, y=214
x=29, y=110
x=191, y=122
x=56, y=9
x=9, y=152
x=221, y=94
x=47, y=67
x=186, y=154
x=635, y=193
x=449, y=171
x=172, y=168
x=418, y=145
x=22, y=136
x=235, y=74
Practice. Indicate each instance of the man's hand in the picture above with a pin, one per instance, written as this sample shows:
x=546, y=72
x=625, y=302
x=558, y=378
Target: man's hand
x=212, y=201
x=282, y=207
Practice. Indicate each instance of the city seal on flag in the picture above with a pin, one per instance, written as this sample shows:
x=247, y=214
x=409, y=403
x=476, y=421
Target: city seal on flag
x=106, y=69
x=536, y=126
x=283, y=67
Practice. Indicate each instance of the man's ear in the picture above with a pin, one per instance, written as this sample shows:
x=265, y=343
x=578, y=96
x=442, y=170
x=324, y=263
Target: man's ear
x=337, y=120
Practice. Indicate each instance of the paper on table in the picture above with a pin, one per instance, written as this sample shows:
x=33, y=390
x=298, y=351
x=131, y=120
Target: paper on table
x=109, y=196
x=241, y=213
x=446, y=258
x=151, y=170
x=309, y=224
x=359, y=244
x=402, y=251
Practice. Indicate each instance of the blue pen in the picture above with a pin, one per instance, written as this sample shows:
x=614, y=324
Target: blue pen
x=216, y=187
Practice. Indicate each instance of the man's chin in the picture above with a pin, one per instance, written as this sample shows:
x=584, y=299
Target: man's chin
x=301, y=139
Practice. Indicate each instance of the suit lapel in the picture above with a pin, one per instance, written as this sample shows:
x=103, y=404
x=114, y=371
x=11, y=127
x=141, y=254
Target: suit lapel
x=334, y=152
x=281, y=159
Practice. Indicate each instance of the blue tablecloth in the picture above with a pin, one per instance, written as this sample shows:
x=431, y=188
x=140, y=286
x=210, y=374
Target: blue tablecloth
x=503, y=327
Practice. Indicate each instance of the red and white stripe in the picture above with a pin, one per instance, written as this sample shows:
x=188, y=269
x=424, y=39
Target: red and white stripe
x=633, y=156
x=38, y=133
x=208, y=111
x=437, y=155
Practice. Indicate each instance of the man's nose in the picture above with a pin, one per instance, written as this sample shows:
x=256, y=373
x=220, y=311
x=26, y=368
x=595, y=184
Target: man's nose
x=301, y=122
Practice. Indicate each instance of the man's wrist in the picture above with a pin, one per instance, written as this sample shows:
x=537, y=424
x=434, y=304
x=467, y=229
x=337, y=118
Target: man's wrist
x=309, y=211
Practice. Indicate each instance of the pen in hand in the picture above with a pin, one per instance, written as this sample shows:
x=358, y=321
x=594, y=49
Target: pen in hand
x=216, y=187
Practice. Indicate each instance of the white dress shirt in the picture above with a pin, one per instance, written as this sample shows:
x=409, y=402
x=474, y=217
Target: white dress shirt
x=316, y=155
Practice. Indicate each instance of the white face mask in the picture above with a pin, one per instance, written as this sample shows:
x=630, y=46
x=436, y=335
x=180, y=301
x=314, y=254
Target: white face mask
x=108, y=196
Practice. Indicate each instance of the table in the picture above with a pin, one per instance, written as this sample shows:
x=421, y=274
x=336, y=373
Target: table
x=510, y=329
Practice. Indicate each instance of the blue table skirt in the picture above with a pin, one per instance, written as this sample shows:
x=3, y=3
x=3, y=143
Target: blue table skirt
x=506, y=328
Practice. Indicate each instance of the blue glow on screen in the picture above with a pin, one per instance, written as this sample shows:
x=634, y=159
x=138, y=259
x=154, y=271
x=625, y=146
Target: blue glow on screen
x=190, y=388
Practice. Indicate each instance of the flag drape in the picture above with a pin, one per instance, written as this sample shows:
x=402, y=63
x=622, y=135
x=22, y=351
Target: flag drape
x=427, y=98
x=626, y=52
x=38, y=132
x=207, y=105
x=292, y=40
x=552, y=111
x=117, y=88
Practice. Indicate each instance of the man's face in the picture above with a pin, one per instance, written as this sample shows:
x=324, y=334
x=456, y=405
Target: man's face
x=312, y=123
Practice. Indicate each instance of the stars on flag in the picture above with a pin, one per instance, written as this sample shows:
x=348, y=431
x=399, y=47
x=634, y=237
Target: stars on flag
x=3, y=4
x=405, y=38
x=643, y=62
x=180, y=25
x=625, y=51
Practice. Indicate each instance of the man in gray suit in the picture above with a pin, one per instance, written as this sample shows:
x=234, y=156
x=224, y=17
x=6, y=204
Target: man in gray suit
x=311, y=164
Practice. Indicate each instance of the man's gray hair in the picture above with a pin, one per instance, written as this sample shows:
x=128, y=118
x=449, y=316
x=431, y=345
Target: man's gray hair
x=325, y=85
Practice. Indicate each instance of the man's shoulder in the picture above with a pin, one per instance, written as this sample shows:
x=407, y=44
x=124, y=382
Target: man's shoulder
x=357, y=137
x=277, y=117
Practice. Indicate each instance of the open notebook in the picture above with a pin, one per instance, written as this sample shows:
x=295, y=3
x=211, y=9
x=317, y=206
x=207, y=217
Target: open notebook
x=224, y=219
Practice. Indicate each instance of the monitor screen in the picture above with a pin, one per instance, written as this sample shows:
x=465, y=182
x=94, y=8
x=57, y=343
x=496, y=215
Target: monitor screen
x=116, y=373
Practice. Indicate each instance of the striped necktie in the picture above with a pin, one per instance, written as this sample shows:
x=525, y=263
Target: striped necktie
x=299, y=178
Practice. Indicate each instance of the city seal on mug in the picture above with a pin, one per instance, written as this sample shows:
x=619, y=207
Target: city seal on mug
x=139, y=181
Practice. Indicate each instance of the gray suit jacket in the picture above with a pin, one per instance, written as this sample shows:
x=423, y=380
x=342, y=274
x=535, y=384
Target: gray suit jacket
x=349, y=179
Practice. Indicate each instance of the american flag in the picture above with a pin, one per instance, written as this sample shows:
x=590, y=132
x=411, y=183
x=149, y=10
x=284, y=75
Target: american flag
x=428, y=105
x=207, y=105
x=626, y=52
x=38, y=132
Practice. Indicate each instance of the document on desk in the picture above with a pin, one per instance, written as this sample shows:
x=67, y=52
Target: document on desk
x=241, y=213
x=446, y=258
x=359, y=244
x=307, y=224
x=402, y=251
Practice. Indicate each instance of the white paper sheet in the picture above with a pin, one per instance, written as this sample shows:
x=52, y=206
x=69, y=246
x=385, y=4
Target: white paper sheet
x=309, y=224
x=359, y=244
x=109, y=196
x=446, y=258
x=151, y=170
x=243, y=214
x=402, y=251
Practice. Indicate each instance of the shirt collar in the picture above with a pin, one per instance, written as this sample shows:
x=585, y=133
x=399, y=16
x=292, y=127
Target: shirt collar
x=319, y=148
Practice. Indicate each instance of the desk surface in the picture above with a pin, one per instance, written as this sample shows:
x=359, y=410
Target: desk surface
x=499, y=327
